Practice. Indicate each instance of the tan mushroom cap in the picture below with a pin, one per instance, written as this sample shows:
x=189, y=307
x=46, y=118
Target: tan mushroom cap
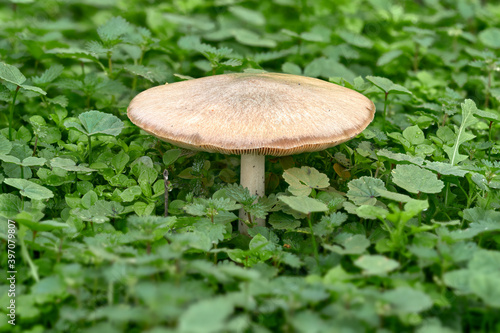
x=265, y=114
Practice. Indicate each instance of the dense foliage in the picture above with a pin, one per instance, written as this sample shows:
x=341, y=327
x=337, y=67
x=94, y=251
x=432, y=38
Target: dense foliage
x=396, y=230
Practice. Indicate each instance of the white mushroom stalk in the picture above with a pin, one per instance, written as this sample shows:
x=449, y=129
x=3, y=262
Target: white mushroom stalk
x=253, y=178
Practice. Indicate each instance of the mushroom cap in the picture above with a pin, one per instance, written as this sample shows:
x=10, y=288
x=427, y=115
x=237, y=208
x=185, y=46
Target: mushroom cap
x=265, y=114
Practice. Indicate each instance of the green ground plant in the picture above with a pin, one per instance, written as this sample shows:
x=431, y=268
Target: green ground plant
x=396, y=230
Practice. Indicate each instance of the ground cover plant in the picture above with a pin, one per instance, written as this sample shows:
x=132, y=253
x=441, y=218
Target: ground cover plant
x=396, y=230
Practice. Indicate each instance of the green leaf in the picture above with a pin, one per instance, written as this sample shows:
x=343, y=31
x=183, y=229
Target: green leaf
x=119, y=161
x=25, y=219
x=328, y=68
x=89, y=199
x=131, y=193
x=388, y=57
x=5, y=145
x=171, y=156
x=458, y=279
x=206, y=316
x=414, y=179
x=304, y=205
x=363, y=191
x=114, y=29
x=11, y=74
x=214, y=231
x=376, y=264
x=355, y=244
x=355, y=39
x=33, y=161
x=143, y=209
x=250, y=38
x=475, y=229
x=371, y=212
x=490, y=37
x=446, y=169
x=49, y=75
x=96, y=122
x=394, y=196
x=468, y=110
x=291, y=68
x=68, y=165
x=150, y=74
x=34, y=89
x=303, y=180
x=30, y=189
x=387, y=85
x=248, y=15
x=282, y=221
x=10, y=205
x=486, y=286
x=406, y=300
x=414, y=134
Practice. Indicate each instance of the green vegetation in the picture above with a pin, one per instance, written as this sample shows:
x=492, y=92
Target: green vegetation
x=396, y=230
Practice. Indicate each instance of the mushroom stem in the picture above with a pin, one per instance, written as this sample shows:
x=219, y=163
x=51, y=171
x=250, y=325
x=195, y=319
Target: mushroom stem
x=253, y=178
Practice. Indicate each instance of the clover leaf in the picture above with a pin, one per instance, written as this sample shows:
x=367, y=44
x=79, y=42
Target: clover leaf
x=29, y=189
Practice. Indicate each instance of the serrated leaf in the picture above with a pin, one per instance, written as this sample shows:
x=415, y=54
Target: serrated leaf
x=49, y=75
x=232, y=63
x=468, y=110
x=414, y=179
x=11, y=74
x=304, y=205
x=34, y=89
x=282, y=221
x=29, y=189
x=214, y=231
x=74, y=53
x=363, y=191
x=60, y=100
x=387, y=85
x=303, y=180
x=113, y=29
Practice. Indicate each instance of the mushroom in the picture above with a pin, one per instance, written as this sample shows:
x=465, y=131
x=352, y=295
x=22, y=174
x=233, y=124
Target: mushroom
x=252, y=115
